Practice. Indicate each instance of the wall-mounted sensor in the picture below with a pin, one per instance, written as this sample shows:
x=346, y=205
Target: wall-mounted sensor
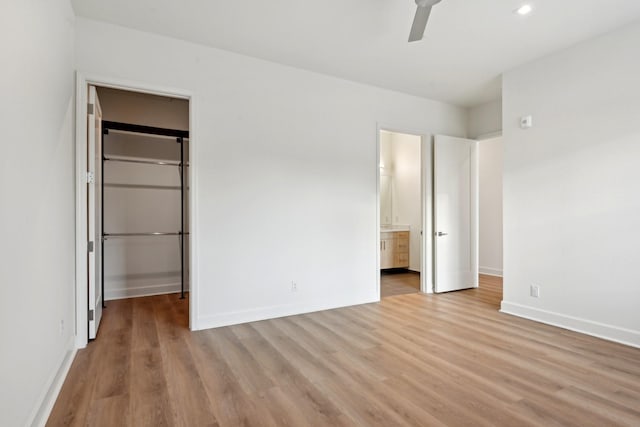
x=526, y=122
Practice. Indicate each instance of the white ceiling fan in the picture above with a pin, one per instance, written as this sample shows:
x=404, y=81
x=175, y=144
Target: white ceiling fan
x=421, y=18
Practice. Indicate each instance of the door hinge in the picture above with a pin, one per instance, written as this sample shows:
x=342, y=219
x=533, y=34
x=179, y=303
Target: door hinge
x=89, y=108
x=91, y=178
x=90, y=246
x=90, y=315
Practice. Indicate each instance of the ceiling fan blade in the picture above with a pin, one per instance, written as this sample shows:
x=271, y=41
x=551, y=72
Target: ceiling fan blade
x=419, y=23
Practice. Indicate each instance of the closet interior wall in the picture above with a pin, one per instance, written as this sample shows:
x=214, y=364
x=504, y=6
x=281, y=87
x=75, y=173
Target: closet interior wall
x=144, y=198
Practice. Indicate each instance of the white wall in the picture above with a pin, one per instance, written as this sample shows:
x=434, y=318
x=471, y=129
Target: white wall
x=386, y=179
x=485, y=119
x=37, y=196
x=386, y=158
x=407, y=190
x=490, y=206
x=285, y=165
x=571, y=187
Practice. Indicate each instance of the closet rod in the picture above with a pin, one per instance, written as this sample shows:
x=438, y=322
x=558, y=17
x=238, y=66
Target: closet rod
x=159, y=233
x=148, y=135
x=145, y=129
x=146, y=162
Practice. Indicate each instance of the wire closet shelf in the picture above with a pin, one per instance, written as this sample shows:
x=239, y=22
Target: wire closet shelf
x=180, y=136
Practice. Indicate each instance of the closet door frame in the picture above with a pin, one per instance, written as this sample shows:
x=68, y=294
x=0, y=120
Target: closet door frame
x=83, y=80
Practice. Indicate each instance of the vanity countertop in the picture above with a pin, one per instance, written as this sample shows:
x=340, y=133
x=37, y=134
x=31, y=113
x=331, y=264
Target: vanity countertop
x=391, y=228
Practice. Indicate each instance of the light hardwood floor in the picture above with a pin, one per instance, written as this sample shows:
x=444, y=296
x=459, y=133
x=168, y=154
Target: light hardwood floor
x=415, y=359
x=394, y=283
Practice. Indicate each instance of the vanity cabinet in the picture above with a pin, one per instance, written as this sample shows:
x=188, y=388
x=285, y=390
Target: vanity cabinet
x=386, y=250
x=394, y=249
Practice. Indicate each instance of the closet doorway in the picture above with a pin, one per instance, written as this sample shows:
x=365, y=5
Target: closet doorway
x=137, y=203
x=401, y=213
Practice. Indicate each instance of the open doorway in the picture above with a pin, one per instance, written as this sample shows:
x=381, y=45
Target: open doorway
x=490, y=218
x=137, y=205
x=468, y=217
x=401, y=213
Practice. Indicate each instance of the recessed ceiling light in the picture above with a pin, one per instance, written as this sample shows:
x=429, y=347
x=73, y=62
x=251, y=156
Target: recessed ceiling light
x=525, y=9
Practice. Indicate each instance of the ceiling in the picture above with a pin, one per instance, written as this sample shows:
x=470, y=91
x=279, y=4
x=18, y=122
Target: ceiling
x=467, y=44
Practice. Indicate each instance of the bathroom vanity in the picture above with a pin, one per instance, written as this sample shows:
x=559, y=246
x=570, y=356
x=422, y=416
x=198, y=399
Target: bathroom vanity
x=394, y=248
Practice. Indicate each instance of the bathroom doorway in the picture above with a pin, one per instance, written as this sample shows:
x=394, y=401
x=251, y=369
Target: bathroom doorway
x=401, y=213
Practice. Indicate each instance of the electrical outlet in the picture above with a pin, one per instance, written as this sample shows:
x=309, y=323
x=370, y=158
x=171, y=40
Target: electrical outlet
x=294, y=286
x=534, y=291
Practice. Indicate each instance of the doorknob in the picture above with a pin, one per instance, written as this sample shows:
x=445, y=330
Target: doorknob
x=440, y=234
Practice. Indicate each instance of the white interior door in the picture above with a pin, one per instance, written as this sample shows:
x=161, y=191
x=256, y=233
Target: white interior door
x=94, y=210
x=455, y=214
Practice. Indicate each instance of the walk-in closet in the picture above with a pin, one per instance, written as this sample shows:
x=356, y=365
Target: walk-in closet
x=144, y=196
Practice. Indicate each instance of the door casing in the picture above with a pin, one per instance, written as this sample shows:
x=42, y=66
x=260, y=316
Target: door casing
x=426, y=256
x=83, y=80
x=94, y=217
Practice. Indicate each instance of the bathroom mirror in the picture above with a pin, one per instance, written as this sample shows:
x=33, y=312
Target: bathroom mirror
x=385, y=200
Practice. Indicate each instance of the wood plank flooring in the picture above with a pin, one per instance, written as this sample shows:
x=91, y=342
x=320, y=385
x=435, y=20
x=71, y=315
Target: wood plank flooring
x=398, y=283
x=414, y=359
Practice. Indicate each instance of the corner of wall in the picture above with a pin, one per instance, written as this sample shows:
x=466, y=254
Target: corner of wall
x=485, y=120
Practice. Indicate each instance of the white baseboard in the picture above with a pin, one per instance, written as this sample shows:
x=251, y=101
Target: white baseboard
x=490, y=271
x=49, y=394
x=142, y=291
x=608, y=332
x=273, y=312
